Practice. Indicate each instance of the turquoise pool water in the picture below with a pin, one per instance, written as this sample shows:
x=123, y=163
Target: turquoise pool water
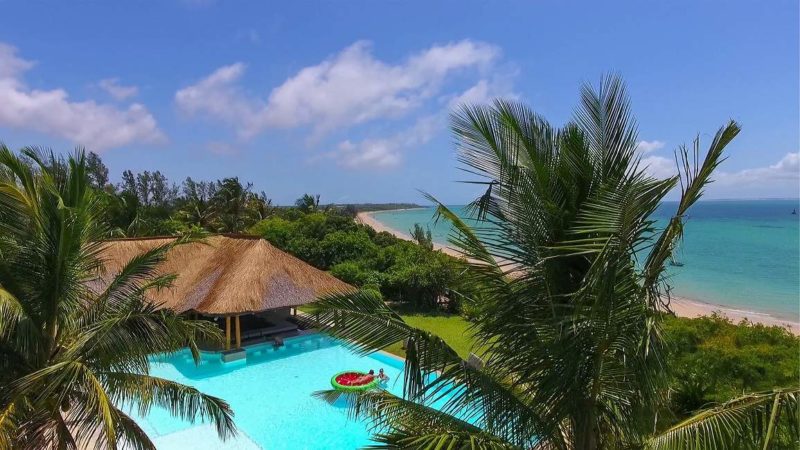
x=270, y=393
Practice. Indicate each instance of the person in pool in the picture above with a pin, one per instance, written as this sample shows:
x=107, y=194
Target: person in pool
x=382, y=377
x=366, y=378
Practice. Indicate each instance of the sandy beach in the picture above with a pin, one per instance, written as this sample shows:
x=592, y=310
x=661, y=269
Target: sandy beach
x=367, y=219
x=683, y=307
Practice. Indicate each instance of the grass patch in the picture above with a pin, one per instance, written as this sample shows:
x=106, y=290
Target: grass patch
x=451, y=328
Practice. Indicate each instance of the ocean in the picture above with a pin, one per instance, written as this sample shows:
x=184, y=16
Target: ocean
x=741, y=254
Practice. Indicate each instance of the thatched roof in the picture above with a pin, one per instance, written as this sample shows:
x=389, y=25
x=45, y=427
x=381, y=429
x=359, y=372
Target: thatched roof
x=226, y=274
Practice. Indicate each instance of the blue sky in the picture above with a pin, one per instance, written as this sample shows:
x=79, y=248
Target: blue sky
x=350, y=99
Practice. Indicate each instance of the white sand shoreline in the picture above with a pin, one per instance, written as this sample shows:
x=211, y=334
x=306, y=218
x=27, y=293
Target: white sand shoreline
x=683, y=307
x=367, y=219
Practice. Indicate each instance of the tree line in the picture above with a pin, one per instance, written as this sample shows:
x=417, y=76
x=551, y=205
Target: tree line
x=325, y=236
x=147, y=203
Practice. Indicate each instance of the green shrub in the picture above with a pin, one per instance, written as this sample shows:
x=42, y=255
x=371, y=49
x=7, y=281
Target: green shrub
x=712, y=360
x=385, y=239
x=417, y=275
x=354, y=273
x=340, y=246
x=313, y=225
x=276, y=230
x=307, y=249
x=356, y=254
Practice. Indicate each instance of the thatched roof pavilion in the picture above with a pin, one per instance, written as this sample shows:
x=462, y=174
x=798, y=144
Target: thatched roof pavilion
x=226, y=275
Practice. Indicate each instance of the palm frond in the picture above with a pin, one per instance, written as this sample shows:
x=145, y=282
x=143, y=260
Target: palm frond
x=433, y=371
x=751, y=421
x=126, y=336
x=397, y=423
x=8, y=425
x=182, y=401
x=367, y=324
x=694, y=177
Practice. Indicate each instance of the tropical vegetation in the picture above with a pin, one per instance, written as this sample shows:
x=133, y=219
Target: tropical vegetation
x=401, y=271
x=569, y=312
x=75, y=341
x=709, y=359
x=561, y=298
x=325, y=236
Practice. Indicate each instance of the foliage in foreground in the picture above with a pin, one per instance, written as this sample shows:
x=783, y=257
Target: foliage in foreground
x=572, y=322
x=72, y=355
x=709, y=360
x=762, y=420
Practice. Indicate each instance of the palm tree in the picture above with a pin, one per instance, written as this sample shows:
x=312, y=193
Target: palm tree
x=73, y=353
x=569, y=267
x=307, y=203
x=260, y=206
x=758, y=421
x=200, y=209
x=231, y=200
x=422, y=236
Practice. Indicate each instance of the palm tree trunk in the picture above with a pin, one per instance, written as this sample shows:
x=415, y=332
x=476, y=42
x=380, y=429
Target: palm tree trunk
x=586, y=435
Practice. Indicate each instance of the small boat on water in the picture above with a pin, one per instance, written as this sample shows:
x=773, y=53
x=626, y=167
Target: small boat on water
x=674, y=262
x=794, y=212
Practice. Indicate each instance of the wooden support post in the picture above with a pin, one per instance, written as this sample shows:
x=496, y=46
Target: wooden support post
x=238, y=333
x=227, y=332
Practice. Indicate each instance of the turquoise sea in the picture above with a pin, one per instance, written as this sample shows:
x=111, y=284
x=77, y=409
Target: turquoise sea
x=741, y=254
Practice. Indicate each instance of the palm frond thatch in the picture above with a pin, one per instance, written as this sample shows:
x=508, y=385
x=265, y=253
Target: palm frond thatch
x=224, y=274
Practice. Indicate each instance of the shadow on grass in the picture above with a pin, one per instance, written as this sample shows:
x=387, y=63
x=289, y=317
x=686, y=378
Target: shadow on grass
x=409, y=309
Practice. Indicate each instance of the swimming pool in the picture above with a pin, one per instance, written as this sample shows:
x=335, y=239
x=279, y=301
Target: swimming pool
x=270, y=393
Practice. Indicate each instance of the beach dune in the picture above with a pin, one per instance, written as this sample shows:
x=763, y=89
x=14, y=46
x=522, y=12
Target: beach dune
x=681, y=306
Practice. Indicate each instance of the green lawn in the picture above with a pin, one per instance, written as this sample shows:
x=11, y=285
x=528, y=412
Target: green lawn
x=453, y=329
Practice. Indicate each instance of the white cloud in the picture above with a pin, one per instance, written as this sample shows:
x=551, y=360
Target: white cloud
x=654, y=165
x=378, y=153
x=12, y=66
x=788, y=168
x=649, y=146
x=477, y=94
x=218, y=97
x=385, y=152
x=116, y=90
x=500, y=85
x=659, y=166
x=349, y=88
x=95, y=125
x=781, y=179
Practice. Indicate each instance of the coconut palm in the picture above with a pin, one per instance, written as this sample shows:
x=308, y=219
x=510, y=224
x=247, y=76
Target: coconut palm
x=758, y=421
x=231, y=200
x=74, y=351
x=200, y=209
x=569, y=269
x=307, y=203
